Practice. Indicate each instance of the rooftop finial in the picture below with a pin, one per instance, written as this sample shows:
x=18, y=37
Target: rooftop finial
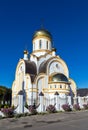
x=26, y=52
x=42, y=23
x=26, y=55
x=26, y=46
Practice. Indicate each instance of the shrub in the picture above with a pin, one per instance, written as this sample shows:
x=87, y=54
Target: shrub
x=18, y=115
x=6, y=106
x=8, y=112
x=32, y=110
x=1, y=106
x=76, y=107
x=85, y=106
x=26, y=114
x=13, y=107
x=26, y=105
x=66, y=107
x=51, y=109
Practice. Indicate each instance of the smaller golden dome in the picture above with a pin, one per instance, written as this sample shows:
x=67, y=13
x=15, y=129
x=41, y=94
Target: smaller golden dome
x=59, y=77
x=42, y=32
x=25, y=52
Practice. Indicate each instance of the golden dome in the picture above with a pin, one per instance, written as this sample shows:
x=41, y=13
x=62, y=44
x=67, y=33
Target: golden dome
x=42, y=32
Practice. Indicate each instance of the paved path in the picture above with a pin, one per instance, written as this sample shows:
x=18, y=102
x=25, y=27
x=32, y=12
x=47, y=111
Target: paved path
x=60, y=121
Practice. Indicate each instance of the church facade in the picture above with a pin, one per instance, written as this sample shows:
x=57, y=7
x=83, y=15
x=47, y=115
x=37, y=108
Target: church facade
x=42, y=73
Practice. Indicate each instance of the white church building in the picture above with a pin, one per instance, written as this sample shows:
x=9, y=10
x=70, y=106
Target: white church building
x=42, y=73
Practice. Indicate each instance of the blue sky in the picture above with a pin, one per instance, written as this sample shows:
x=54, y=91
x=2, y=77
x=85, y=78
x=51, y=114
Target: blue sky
x=67, y=20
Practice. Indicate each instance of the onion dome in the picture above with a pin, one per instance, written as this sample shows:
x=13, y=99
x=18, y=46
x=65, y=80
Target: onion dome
x=59, y=78
x=42, y=32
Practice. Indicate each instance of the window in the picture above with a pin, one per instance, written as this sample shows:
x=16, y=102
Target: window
x=34, y=46
x=50, y=86
x=60, y=86
x=55, y=86
x=65, y=85
x=57, y=66
x=40, y=44
x=47, y=44
x=21, y=68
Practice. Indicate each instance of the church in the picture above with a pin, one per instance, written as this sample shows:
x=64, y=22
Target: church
x=42, y=73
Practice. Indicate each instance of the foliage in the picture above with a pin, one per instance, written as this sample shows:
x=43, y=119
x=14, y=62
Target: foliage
x=66, y=107
x=51, y=109
x=18, y=115
x=8, y=112
x=13, y=107
x=42, y=113
x=26, y=114
x=32, y=109
x=5, y=95
x=85, y=106
x=6, y=106
x=76, y=107
x=26, y=105
x=1, y=106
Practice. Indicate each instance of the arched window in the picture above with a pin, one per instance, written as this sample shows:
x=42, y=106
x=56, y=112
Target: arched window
x=40, y=44
x=47, y=44
x=60, y=86
x=55, y=86
x=65, y=85
x=34, y=46
x=50, y=86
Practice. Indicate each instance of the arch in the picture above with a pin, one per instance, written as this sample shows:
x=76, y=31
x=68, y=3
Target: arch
x=38, y=77
x=44, y=66
x=28, y=81
x=18, y=65
x=61, y=62
x=73, y=86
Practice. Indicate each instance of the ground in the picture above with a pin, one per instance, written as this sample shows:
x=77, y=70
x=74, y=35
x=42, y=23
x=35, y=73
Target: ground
x=64, y=121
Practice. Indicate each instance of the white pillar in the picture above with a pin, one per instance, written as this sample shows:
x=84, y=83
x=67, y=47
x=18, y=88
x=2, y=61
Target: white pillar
x=56, y=95
x=20, y=104
x=80, y=101
x=75, y=100
x=41, y=106
x=62, y=100
x=69, y=100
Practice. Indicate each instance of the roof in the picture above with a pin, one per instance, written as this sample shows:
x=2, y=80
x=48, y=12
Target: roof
x=56, y=93
x=43, y=67
x=41, y=94
x=31, y=69
x=82, y=92
x=59, y=77
x=21, y=92
x=42, y=32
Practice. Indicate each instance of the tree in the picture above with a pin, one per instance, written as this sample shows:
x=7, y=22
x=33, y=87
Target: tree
x=5, y=95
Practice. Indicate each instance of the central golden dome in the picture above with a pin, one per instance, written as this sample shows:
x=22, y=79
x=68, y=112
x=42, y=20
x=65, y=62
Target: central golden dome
x=42, y=32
